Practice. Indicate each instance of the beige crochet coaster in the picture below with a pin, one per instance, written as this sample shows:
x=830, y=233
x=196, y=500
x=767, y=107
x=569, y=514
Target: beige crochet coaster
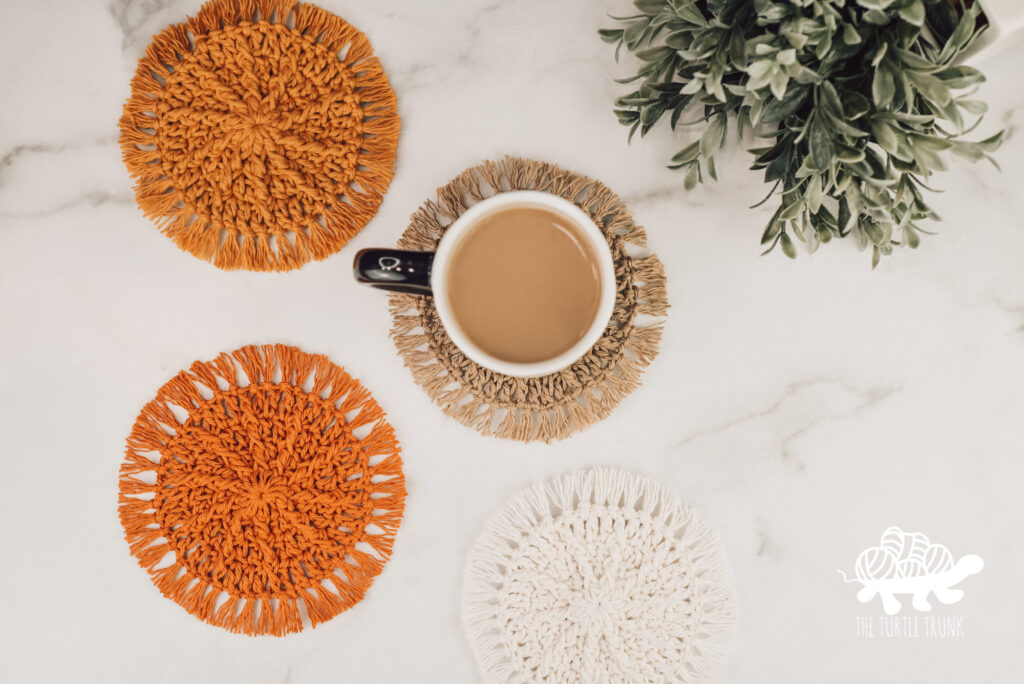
x=552, y=406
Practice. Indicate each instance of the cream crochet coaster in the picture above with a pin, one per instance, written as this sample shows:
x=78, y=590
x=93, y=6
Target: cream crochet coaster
x=597, y=576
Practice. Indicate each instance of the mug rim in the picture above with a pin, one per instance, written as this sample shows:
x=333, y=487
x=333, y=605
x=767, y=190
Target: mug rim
x=470, y=218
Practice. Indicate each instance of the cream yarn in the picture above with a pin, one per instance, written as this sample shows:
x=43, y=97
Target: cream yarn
x=597, y=576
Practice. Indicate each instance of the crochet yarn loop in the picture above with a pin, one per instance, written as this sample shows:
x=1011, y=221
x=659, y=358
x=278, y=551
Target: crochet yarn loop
x=597, y=577
x=262, y=489
x=261, y=134
x=553, y=406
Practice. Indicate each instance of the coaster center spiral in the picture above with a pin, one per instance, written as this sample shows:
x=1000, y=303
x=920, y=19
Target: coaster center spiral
x=264, y=480
x=257, y=123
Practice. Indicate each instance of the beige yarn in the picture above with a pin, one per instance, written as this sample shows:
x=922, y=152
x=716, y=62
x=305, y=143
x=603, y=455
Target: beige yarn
x=553, y=406
x=598, y=576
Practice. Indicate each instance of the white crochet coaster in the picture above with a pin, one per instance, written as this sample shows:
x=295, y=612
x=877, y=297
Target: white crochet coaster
x=597, y=576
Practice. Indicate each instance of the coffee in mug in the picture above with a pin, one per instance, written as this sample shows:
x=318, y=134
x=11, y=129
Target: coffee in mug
x=523, y=282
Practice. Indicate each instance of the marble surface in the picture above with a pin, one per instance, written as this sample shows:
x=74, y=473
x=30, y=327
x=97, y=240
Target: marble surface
x=802, y=406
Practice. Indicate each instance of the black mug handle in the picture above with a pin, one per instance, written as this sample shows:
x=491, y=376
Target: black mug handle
x=398, y=270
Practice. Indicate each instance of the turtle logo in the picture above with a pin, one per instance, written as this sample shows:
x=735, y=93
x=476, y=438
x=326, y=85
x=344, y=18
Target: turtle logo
x=908, y=563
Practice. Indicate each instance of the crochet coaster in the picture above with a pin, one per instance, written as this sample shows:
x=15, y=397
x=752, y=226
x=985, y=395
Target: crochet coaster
x=260, y=134
x=262, y=489
x=552, y=406
x=598, y=576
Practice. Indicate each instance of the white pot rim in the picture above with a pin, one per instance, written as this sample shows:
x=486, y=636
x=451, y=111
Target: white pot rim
x=524, y=198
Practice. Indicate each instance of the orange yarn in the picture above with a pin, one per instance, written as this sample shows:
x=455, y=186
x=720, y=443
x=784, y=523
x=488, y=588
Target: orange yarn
x=260, y=134
x=249, y=498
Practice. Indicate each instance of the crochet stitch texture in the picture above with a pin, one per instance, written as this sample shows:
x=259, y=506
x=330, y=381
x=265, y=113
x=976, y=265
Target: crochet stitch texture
x=260, y=134
x=597, y=577
x=556, y=405
x=262, y=489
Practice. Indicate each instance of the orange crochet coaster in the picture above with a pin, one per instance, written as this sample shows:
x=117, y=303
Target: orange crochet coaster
x=262, y=490
x=260, y=134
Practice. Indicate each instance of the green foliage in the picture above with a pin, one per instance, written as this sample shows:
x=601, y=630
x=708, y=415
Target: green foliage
x=856, y=100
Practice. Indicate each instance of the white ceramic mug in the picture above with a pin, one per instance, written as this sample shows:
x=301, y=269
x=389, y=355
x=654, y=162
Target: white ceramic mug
x=426, y=273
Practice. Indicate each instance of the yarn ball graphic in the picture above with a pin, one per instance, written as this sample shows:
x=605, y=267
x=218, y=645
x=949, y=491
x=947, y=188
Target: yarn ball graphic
x=908, y=563
x=901, y=555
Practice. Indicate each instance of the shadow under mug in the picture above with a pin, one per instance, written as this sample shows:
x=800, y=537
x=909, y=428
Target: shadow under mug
x=425, y=273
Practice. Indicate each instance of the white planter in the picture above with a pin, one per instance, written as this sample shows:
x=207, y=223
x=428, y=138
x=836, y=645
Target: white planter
x=1005, y=27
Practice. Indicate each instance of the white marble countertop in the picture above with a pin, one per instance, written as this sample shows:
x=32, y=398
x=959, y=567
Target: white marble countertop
x=802, y=406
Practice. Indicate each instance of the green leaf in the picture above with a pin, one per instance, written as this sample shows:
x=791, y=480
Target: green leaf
x=975, y=107
x=713, y=137
x=634, y=32
x=694, y=86
x=958, y=77
x=779, y=82
x=875, y=4
x=969, y=151
x=848, y=154
x=690, y=180
x=679, y=40
x=951, y=113
x=690, y=13
x=738, y=49
x=650, y=7
x=850, y=34
x=884, y=135
x=961, y=36
x=788, y=248
x=760, y=69
x=876, y=17
x=627, y=116
x=824, y=46
x=813, y=195
x=773, y=13
x=845, y=218
x=841, y=126
x=912, y=238
x=854, y=104
x=930, y=87
x=820, y=143
x=797, y=40
x=656, y=54
x=913, y=13
x=879, y=54
x=610, y=35
x=830, y=99
x=687, y=154
x=992, y=143
x=778, y=110
x=883, y=88
x=914, y=60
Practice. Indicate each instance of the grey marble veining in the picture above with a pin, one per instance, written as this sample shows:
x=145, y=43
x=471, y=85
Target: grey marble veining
x=802, y=406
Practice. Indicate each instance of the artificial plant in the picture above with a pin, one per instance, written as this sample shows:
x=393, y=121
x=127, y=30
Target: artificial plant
x=858, y=101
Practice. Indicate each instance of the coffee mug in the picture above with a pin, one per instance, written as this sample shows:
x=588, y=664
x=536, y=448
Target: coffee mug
x=430, y=273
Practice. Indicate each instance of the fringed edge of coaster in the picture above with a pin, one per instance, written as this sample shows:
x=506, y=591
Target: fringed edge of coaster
x=161, y=202
x=520, y=416
x=506, y=533
x=156, y=423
